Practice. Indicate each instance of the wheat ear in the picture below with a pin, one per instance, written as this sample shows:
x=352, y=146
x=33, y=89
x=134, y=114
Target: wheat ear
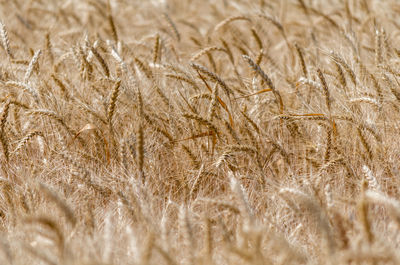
x=102, y=62
x=147, y=71
x=206, y=51
x=5, y=40
x=113, y=28
x=26, y=139
x=229, y=20
x=49, y=48
x=213, y=77
x=32, y=65
x=266, y=79
x=3, y=137
x=172, y=26
x=156, y=49
x=69, y=214
x=113, y=100
x=61, y=85
x=326, y=89
x=302, y=61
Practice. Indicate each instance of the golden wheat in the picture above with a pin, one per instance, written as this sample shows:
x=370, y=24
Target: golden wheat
x=199, y=132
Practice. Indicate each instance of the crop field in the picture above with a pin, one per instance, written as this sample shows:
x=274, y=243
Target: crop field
x=199, y=132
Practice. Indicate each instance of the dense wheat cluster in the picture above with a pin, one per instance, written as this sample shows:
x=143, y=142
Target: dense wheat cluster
x=199, y=132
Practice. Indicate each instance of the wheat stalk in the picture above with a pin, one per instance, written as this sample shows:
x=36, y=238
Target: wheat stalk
x=140, y=140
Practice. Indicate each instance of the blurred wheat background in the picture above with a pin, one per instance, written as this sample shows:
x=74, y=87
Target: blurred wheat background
x=199, y=132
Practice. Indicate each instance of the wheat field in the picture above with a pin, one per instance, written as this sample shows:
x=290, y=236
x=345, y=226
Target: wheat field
x=199, y=132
